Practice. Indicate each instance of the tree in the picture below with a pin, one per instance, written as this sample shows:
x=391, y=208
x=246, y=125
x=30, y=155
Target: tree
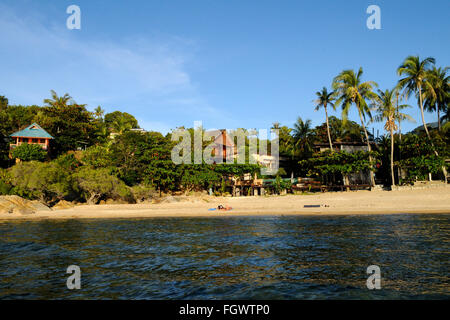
x=3, y=103
x=98, y=183
x=45, y=181
x=417, y=78
x=351, y=90
x=120, y=122
x=57, y=101
x=325, y=99
x=71, y=125
x=286, y=141
x=302, y=135
x=389, y=112
x=437, y=95
x=99, y=112
x=29, y=152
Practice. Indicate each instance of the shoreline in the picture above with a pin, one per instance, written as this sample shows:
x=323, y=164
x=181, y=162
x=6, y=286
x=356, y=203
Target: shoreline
x=420, y=201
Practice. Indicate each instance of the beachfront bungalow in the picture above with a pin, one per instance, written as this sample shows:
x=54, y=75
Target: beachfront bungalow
x=33, y=134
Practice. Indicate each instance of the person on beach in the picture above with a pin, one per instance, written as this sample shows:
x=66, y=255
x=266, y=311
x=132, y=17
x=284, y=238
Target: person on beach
x=221, y=207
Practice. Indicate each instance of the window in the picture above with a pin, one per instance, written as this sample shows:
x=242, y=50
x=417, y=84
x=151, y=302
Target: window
x=34, y=140
x=42, y=141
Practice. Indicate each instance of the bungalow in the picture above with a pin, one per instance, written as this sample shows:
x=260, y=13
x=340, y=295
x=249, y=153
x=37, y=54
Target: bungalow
x=33, y=134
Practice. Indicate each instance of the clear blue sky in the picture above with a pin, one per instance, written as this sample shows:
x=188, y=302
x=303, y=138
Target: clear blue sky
x=228, y=63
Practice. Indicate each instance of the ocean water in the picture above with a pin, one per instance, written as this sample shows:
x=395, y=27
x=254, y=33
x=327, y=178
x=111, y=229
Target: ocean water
x=302, y=257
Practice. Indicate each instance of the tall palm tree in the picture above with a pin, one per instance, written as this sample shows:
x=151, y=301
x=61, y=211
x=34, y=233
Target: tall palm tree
x=302, y=134
x=325, y=99
x=438, y=94
x=351, y=90
x=57, y=101
x=388, y=111
x=417, y=78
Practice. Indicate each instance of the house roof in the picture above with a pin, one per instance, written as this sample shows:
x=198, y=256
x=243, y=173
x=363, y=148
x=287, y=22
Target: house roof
x=32, y=131
x=223, y=139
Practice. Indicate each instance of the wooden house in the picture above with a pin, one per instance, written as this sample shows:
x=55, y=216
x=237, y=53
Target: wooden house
x=33, y=134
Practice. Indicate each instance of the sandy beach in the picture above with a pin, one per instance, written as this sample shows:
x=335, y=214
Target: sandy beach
x=435, y=200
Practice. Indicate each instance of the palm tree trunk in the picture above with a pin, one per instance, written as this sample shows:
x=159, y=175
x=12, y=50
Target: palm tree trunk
x=372, y=178
x=444, y=171
x=439, y=119
x=328, y=128
x=423, y=117
x=392, y=159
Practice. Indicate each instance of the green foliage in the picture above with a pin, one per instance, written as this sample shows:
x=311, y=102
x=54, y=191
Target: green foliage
x=279, y=184
x=120, y=121
x=3, y=103
x=418, y=157
x=5, y=182
x=4, y=188
x=44, y=181
x=339, y=162
x=29, y=152
x=67, y=162
x=142, y=192
x=97, y=183
x=97, y=157
x=198, y=177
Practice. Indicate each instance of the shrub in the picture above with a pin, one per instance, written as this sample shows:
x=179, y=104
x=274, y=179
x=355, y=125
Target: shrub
x=29, y=152
x=47, y=182
x=142, y=193
x=4, y=188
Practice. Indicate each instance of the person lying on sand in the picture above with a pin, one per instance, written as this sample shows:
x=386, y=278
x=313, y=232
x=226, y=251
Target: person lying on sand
x=221, y=207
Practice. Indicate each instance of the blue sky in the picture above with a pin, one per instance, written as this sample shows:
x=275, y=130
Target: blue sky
x=229, y=64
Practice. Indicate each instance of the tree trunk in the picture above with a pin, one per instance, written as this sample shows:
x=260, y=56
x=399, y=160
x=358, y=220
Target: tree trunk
x=392, y=159
x=372, y=178
x=328, y=128
x=346, y=182
x=439, y=119
x=93, y=198
x=444, y=171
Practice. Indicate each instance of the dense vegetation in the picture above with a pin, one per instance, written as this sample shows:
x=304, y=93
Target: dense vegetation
x=97, y=156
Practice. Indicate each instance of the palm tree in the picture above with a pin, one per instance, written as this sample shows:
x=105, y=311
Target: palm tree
x=438, y=94
x=325, y=99
x=351, y=90
x=57, y=101
x=275, y=125
x=302, y=134
x=99, y=112
x=389, y=112
x=120, y=125
x=417, y=77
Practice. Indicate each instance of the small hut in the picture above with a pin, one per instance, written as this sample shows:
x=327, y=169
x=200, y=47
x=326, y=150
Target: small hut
x=33, y=134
